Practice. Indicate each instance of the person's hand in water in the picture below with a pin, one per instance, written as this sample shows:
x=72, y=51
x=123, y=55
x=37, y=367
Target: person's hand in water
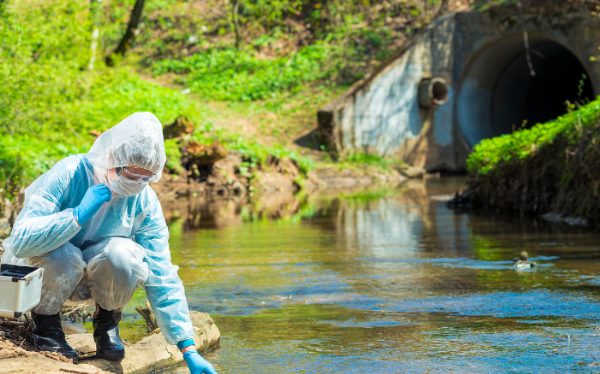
x=93, y=199
x=197, y=364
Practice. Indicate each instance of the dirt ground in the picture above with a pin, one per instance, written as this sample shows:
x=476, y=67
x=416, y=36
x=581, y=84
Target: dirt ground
x=17, y=354
x=18, y=360
x=152, y=353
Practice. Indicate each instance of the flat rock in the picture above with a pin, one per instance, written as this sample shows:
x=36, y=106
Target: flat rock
x=151, y=353
x=412, y=172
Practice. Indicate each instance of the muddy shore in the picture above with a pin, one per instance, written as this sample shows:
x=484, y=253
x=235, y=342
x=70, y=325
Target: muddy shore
x=227, y=178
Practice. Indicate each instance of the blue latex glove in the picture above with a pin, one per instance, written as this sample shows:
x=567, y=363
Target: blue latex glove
x=93, y=199
x=197, y=364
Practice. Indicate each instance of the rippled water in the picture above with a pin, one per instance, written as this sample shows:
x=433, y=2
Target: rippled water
x=389, y=282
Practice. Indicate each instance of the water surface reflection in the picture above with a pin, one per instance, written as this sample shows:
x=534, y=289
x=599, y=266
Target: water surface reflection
x=388, y=282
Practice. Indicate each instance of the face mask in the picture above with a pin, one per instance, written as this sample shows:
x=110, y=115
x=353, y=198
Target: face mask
x=125, y=187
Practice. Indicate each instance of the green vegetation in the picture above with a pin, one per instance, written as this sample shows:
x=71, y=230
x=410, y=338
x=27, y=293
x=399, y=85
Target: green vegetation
x=363, y=196
x=548, y=168
x=258, y=153
x=255, y=153
x=491, y=153
x=241, y=76
x=63, y=127
x=49, y=101
x=364, y=159
x=275, y=62
x=272, y=46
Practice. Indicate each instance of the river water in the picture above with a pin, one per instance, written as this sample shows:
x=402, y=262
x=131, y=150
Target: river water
x=390, y=281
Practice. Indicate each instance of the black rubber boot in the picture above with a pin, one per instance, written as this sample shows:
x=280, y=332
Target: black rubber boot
x=48, y=335
x=109, y=345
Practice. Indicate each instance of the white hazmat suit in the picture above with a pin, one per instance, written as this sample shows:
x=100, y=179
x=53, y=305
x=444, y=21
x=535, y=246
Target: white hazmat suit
x=124, y=245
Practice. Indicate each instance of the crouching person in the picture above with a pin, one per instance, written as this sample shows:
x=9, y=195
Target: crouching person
x=99, y=233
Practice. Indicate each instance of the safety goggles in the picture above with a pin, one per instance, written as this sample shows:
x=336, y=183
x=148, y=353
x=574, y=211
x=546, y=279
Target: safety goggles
x=142, y=179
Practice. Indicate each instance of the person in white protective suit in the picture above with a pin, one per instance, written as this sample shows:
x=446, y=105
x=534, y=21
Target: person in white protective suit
x=99, y=232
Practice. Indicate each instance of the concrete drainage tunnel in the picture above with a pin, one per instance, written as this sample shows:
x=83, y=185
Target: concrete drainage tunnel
x=465, y=78
x=499, y=93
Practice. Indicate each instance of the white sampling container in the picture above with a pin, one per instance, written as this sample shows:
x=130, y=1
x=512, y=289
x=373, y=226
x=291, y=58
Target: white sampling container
x=20, y=289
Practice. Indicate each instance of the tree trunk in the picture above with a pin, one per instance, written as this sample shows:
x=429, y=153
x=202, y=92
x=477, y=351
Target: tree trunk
x=95, y=11
x=130, y=33
x=236, y=25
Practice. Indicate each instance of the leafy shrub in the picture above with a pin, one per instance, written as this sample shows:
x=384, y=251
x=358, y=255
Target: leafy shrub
x=489, y=153
x=548, y=168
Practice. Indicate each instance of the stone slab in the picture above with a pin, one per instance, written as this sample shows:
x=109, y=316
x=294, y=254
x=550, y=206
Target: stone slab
x=151, y=353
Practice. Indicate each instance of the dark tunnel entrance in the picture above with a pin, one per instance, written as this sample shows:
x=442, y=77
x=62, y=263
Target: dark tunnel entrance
x=498, y=92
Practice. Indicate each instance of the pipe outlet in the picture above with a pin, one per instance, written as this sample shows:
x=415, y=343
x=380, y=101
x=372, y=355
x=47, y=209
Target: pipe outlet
x=432, y=91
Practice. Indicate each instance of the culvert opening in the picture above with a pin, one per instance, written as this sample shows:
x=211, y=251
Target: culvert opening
x=499, y=94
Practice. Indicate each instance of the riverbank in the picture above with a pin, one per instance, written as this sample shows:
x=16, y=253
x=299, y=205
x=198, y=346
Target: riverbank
x=277, y=175
x=19, y=360
x=145, y=356
x=19, y=356
x=548, y=169
x=229, y=180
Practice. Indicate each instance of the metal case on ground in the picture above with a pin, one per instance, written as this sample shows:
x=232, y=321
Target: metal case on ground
x=20, y=289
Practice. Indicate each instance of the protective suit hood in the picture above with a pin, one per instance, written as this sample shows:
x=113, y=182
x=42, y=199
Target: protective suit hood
x=46, y=223
x=136, y=141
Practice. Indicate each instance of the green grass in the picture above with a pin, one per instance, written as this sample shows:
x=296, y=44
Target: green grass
x=282, y=119
x=284, y=44
x=490, y=153
x=31, y=150
x=50, y=99
x=359, y=158
x=367, y=195
x=232, y=75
